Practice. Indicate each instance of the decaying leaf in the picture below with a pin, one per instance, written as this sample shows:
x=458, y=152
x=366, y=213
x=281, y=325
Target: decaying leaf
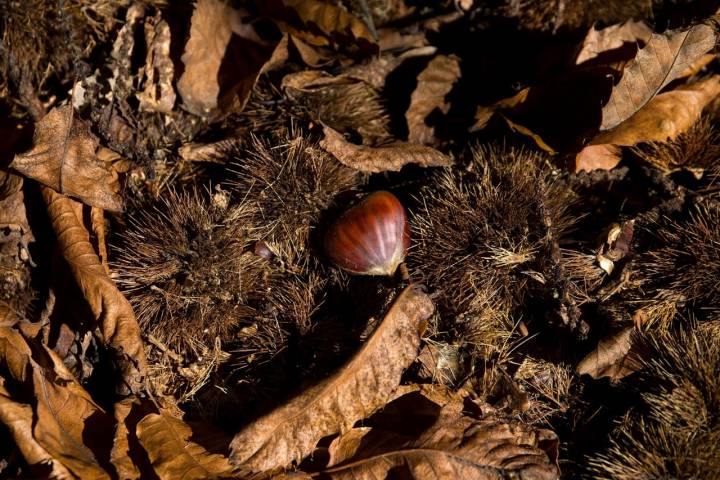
x=158, y=93
x=65, y=158
x=611, y=358
x=662, y=60
x=218, y=33
x=67, y=426
x=456, y=445
x=609, y=38
x=116, y=320
x=663, y=118
x=433, y=84
x=292, y=431
x=13, y=217
x=174, y=455
x=388, y=158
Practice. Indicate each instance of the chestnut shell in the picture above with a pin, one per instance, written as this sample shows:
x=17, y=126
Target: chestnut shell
x=370, y=238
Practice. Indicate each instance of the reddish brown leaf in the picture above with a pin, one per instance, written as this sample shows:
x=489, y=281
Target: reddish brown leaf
x=380, y=159
x=433, y=84
x=661, y=61
x=116, y=320
x=365, y=384
x=65, y=158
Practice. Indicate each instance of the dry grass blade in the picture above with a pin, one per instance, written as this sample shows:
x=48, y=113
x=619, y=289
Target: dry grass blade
x=455, y=446
x=65, y=420
x=113, y=312
x=390, y=158
x=662, y=60
x=433, y=84
x=292, y=431
x=173, y=455
x=64, y=157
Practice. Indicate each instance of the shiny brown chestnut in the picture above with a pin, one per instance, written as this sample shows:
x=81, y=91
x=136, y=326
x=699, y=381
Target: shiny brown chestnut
x=370, y=238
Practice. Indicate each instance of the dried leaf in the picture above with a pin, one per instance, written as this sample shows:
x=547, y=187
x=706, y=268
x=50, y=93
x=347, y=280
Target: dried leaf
x=120, y=455
x=18, y=419
x=661, y=61
x=664, y=118
x=205, y=88
x=611, y=358
x=292, y=431
x=13, y=217
x=64, y=157
x=433, y=84
x=483, y=113
x=66, y=421
x=610, y=38
x=173, y=455
x=455, y=446
x=389, y=158
x=376, y=70
x=597, y=157
x=158, y=94
x=116, y=320
x=323, y=23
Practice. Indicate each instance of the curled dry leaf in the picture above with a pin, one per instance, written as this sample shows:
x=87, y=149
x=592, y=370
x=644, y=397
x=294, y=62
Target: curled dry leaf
x=661, y=61
x=455, y=445
x=609, y=38
x=65, y=157
x=116, y=320
x=611, y=358
x=158, y=93
x=365, y=384
x=664, y=118
x=65, y=426
x=13, y=217
x=174, y=455
x=377, y=69
x=205, y=88
x=388, y=158
x=433, y=84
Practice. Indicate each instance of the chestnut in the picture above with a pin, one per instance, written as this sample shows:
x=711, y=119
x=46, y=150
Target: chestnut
x=370, y=238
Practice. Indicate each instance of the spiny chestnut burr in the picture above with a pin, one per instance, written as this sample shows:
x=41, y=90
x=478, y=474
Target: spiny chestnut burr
x=370, y=238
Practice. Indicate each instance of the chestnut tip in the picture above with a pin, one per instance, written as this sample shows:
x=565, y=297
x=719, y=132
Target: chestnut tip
x=370, y=238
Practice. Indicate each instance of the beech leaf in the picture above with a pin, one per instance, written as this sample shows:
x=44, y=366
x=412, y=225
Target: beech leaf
x=662, y=60
x=64, y=158
x=433, y=84
x=362, y=386
x=116, y=320
x=173, y=455
x=388, y=158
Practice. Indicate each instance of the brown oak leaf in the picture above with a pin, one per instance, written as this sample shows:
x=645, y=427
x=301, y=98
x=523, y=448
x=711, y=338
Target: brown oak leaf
x=65, y=157
x=115, y=317
x=362, y=386
x=433, y=84
x=388, y=158
x=662, y=60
